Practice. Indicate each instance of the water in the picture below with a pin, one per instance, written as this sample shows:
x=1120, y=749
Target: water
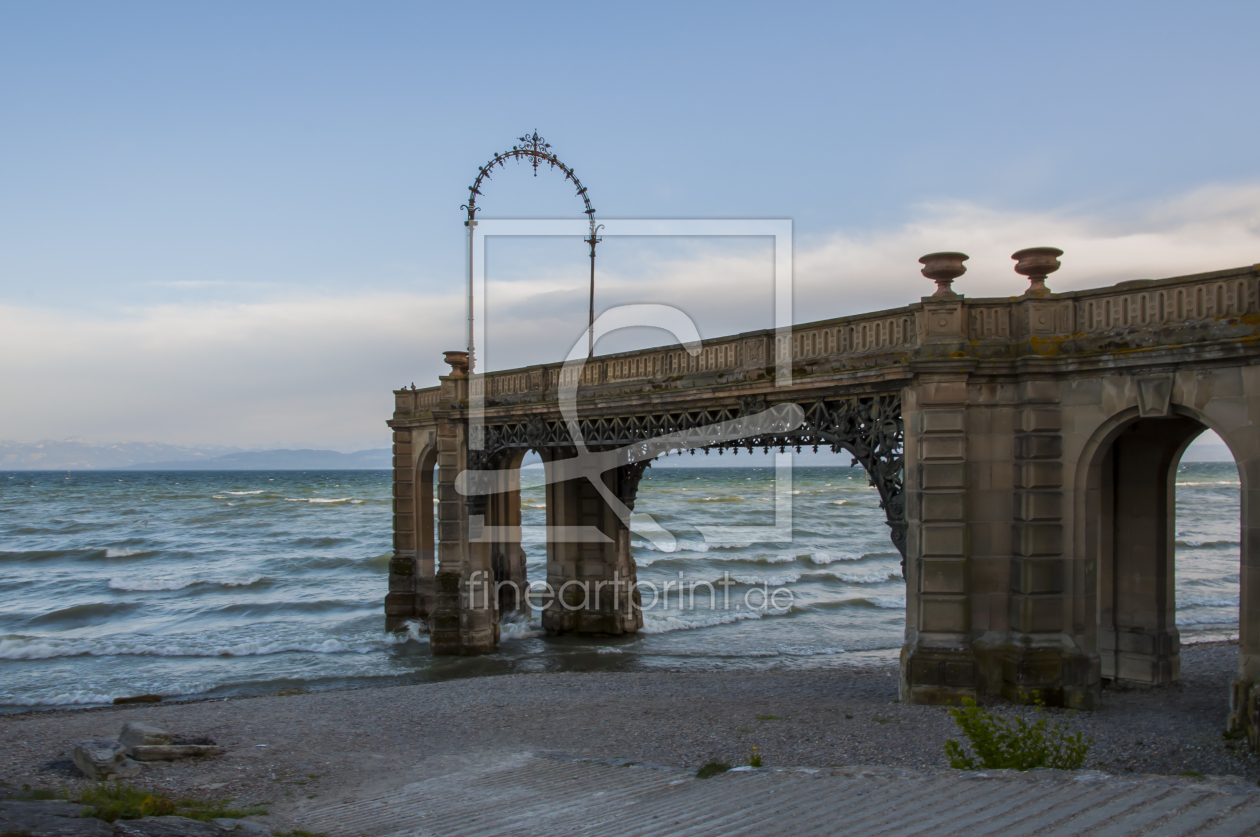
x=215, y=584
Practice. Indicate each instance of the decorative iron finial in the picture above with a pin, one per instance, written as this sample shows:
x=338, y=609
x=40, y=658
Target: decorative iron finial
x=1037, y=263
x=944, y=268
x=535, y=146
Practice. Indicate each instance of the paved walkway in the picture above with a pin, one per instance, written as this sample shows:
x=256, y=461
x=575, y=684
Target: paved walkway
x=537, y=793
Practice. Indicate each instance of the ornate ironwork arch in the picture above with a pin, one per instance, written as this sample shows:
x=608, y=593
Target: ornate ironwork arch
x=537, y=151
x=870, y=428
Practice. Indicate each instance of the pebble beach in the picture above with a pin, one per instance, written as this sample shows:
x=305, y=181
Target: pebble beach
x=297, y=752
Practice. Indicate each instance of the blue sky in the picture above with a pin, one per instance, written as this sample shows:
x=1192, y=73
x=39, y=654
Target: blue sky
x=239, y=223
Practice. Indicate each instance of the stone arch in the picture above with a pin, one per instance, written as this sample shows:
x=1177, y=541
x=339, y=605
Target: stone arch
x=1196, y=400
x=1127, y=477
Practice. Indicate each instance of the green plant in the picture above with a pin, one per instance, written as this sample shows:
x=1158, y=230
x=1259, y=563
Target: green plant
x=713, y=768
x=115, y=801
x=998, y=744
x=1193, y=774
x=111, y=801
x=754, y=758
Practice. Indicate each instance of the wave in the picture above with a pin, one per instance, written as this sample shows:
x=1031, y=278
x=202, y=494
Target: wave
x=125, y=552
x=887, y=603
x=155, y=584
x=865, y=578
x=63, y=699
x=731, y=499
x=1211, y=484
x=1200, y=621
x=1204, y=544
x=660, y=624
x=770, y=580
x=521, y=629
x=17, y=647
x=350, y=500
x=243, y=493
x=1206, y=601
x=822, y=558
x=693, y=546
x=760, y=558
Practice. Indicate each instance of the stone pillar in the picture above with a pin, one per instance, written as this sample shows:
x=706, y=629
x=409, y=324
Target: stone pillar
x=465, y=618
x=938, y=665
x=1048, y=655
x=400, y=601
x=507, y=558
x=1244, y=703
x=592, y=575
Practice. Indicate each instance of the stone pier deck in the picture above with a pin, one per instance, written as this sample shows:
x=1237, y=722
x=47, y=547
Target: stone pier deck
x=532, y=793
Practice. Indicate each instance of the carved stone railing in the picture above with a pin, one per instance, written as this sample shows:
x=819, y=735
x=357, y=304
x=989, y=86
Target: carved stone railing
x=1224, y=306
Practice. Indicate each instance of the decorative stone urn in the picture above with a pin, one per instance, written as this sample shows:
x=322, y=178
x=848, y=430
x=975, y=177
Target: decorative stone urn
x=1037, y=263
x=458, y=362
x=944, y=268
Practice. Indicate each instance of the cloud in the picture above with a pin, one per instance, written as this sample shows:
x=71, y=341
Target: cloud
x=317, y=371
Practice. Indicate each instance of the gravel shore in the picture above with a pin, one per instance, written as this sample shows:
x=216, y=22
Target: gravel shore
x=300, y=751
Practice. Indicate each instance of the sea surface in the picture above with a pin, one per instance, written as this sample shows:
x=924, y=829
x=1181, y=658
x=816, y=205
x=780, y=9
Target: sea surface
x=198, y=584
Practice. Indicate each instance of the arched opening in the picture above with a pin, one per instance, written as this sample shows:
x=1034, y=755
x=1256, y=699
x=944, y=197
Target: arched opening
x=1131, y=520
x=426, y=541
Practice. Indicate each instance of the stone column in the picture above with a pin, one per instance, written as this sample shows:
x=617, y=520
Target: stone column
x=507, y=558
x=400, y=602
x=592, y=575
x=465, y=618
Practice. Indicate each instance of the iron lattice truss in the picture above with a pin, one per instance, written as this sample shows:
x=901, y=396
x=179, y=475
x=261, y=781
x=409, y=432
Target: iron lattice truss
x=870, y=428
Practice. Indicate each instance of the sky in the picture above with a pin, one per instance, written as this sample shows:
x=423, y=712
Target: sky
x=239, y=223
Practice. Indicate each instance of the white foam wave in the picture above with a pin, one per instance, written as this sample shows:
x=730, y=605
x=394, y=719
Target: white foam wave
x=770, y=580
x=155, y=584
x=244, y=493
x=350, y=500
x=606, y=650
x=63, y=699
x=867, y=578
x=1206, y=601
x=677, y=546
x=523, y=629
x=1212, y=483
x=822, y=558
x=124, y=552
x=45, y=648
x=898, y=602
x=660, y=623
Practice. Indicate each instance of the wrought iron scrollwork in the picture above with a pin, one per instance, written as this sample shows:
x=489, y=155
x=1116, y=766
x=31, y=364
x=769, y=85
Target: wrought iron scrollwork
x=870, y=428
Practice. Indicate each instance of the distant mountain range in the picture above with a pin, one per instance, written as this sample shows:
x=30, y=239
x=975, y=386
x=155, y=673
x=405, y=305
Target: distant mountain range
x=81, y=455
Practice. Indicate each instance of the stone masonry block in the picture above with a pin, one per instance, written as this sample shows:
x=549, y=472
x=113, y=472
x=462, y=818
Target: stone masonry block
x=949, y=507
x=941, y=614
x=1038, y=446
x=1038, y=505
x=942, y=421
x=447, y=492
x=1038, y=391
x=942, y=475
x=943, y=541
x=943, y=392
x=1039, y=475
x=1037, y=614
x=1038, y=539
x=1041, y=420
x=948, y=447
x=938, y=575
x=1036, y=576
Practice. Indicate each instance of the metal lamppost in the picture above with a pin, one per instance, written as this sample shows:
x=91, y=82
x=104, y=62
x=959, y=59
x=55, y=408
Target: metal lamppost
x=536, y=150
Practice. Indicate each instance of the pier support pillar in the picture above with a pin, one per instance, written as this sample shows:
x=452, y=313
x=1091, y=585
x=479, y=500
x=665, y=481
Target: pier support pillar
x=590, y=570
x=465, y=619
